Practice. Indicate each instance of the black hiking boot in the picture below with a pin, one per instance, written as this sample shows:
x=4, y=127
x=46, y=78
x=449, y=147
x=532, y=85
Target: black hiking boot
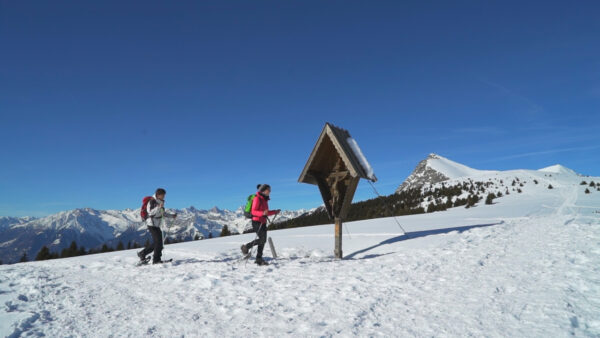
x=162, y=262
x=261, y=262
x=141, y=256
x=244, y=249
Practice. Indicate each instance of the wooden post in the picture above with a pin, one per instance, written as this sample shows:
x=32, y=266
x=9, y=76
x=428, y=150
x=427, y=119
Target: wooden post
x=338, y=238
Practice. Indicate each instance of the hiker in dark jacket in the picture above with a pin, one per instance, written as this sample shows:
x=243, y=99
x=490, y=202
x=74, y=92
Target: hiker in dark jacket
x=156, y=218
x=260, y=211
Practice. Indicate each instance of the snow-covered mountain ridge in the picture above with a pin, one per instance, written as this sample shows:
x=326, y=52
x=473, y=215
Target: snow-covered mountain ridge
x=436, y=169
x=91, y=228
x=445, y=184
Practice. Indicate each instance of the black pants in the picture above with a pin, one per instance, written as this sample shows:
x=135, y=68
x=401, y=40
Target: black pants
x=261, y=231
x=157, y=244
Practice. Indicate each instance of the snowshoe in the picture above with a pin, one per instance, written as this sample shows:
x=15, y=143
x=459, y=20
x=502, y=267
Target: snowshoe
x=261, y=262
x=143, y=261
x=162, y=262
x=142, y=256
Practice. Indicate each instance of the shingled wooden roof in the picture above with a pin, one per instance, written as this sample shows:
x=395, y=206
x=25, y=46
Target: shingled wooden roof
x=332, y=142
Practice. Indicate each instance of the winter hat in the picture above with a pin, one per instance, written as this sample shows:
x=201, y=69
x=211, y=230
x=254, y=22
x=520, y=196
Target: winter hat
x=263, y=187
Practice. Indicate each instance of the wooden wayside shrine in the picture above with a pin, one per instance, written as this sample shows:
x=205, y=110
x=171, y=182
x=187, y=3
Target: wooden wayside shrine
x=335, y=167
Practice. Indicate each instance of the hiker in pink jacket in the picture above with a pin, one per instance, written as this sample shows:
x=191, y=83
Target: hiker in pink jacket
x=260, y=211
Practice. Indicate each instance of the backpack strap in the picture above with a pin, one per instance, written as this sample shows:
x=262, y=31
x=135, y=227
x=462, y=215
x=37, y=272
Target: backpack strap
x=152, y=203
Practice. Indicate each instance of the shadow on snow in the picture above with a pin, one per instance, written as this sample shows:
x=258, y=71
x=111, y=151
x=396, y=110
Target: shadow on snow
x=352, y=256
x=413, y=235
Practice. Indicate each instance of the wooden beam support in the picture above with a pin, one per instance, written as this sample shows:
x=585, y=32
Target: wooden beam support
x=338, y=238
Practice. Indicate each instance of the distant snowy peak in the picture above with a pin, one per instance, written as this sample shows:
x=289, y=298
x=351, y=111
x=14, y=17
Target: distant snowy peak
x=559, y=169
x=452, y=169
x=435, y=169
x=6, y=222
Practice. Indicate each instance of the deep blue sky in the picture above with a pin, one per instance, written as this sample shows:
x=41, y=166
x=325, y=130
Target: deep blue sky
x=102, y=102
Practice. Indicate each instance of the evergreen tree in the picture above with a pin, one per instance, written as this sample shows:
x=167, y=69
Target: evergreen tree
x=1, y=262
x=24, y=257
x=210, y=235
x=550, y=186
x=535, y=181
x=71, y=251
x=128, y=245
x=490, y=198
x=225, y=231
x=430, y=207
x=105, y=248
x=583, y=183
x=587, y=191
x=43, y=254
x=592, y=184
x=120, y=246
x=197, y=237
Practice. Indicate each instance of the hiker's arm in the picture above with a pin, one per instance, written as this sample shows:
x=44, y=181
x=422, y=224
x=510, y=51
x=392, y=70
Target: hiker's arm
x=153, y=211
x=273, y=212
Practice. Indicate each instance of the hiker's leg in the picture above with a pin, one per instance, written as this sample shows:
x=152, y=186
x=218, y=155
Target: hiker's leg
x=147, y=250
x=262, y=239
x=157, y=238
x=255, y=227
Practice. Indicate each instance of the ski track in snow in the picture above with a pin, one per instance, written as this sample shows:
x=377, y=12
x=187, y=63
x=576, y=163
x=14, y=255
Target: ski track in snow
x=531, y=276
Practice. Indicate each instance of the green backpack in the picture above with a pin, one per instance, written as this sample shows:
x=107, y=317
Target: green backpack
x=248, y=209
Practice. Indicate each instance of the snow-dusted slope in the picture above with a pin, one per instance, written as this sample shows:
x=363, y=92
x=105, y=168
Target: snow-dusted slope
x=91, y=228
x=526, y=266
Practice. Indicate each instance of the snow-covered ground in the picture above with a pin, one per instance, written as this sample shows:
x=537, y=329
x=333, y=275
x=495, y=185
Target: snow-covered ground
x=527, y=266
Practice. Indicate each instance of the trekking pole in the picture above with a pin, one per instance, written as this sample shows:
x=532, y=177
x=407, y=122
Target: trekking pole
x=271, y=221
x=167, y=234
x=271, y=245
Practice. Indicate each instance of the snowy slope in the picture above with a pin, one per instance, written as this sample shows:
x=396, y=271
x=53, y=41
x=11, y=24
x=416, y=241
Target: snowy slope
x=526, y=266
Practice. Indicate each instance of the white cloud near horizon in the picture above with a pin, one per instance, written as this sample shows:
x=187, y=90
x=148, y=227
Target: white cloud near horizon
x=543, y=152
